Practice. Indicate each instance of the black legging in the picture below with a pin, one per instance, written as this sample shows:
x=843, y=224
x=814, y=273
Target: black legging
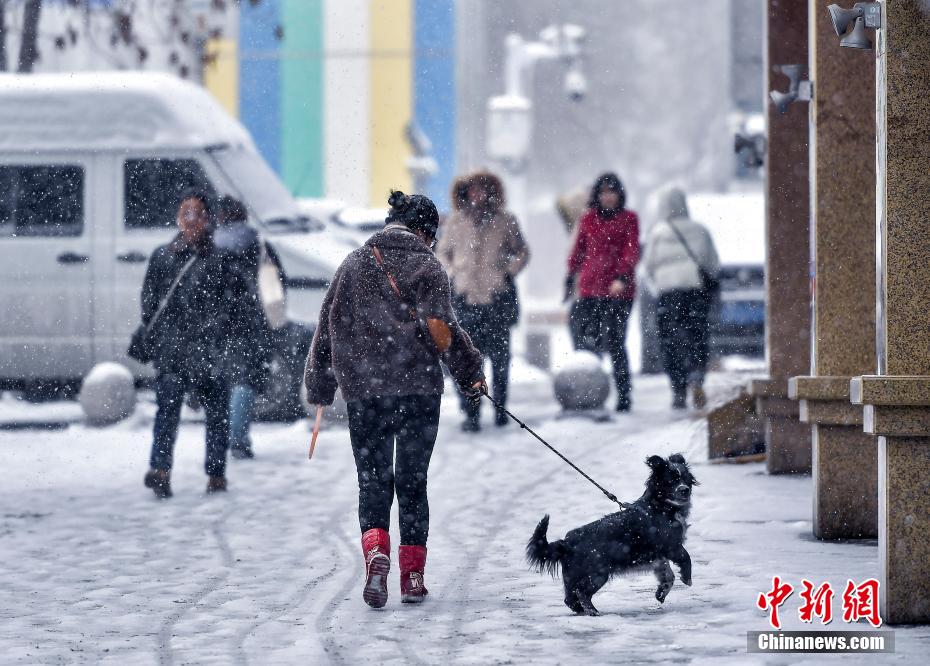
x=373, y=426
x=682, y=320
x=490, y=334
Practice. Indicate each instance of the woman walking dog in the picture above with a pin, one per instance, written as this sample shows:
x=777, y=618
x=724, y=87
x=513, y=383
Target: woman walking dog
x=385, y=324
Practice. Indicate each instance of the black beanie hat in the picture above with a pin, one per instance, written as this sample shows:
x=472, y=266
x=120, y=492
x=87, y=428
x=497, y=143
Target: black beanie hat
x=414, y=211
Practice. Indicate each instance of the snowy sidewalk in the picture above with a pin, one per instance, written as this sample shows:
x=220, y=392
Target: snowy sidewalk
x=93, y=569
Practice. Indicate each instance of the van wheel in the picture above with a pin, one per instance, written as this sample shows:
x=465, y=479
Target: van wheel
x=280, y=401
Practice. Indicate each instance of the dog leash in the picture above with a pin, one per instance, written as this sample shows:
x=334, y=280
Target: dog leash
x=610, y=495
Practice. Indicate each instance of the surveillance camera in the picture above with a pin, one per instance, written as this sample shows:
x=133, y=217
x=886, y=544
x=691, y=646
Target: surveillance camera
x=576, y=85
x=863, y=15
x=782, y=100
x=798, y=90
x=574, y=36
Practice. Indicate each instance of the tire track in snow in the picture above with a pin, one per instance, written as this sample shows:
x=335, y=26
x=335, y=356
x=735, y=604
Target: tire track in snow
x=166, y=631
x=324, y=621
x=166, y=654
x=327, y=528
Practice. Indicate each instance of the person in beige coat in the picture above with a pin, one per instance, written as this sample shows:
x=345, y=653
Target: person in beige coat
x=483, y=250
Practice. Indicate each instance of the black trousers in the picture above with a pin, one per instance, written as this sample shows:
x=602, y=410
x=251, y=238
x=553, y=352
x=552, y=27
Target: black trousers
x=490, y=333
x=383, y=469
x=682, y=320
x=599, y=324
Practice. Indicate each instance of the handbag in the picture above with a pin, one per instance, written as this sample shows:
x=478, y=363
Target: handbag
x=271, y=291
x=141, y=347
x=710, y=285
x=507, y=304
x=586, y=325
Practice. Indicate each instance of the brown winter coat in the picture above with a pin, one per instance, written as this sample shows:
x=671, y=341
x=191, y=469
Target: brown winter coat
x=481, y=249
x=367, y=341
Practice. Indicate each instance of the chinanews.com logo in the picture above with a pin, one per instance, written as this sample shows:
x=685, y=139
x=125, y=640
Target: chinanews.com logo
x=859, y=606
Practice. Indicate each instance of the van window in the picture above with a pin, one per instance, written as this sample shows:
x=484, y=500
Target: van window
x=41, y=200
x=153, y=189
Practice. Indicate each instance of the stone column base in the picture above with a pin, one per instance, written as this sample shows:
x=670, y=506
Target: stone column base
x=897, y=410
x=787, y=445
x=845, y=461
x=904, y=529
x=787, y=440
x=733, y=429
x=845, y=483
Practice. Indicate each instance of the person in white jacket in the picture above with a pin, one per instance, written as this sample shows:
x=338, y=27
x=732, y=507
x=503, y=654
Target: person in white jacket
x=678, y=250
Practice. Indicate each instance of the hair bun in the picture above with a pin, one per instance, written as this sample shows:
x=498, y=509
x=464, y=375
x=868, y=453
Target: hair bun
x=398, y=200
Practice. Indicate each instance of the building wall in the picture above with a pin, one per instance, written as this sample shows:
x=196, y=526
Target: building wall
x=327, y=88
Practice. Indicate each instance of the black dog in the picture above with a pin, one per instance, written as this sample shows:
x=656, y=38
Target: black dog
x=651, y=531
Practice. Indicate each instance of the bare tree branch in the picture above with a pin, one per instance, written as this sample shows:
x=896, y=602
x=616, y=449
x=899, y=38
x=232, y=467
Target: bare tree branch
x=2, y=35
x=28, y=53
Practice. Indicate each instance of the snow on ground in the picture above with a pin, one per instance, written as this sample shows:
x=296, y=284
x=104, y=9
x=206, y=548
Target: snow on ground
x=95, y=570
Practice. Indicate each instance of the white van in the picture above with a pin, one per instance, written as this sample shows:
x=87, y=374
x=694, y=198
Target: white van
x=91, y=166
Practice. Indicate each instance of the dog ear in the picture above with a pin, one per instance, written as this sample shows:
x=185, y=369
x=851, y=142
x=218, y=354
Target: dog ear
x=677, y=458
x=656, y=462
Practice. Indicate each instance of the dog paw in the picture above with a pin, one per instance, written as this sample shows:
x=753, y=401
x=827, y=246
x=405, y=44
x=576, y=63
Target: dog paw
x=686, y=581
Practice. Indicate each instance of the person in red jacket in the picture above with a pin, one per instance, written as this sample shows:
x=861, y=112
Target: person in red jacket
x=601, y=266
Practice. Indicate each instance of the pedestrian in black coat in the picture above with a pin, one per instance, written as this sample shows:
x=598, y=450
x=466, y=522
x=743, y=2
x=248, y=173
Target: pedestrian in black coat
x=190, y=338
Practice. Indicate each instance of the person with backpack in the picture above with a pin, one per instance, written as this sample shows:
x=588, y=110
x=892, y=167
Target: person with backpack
x=385, y=324
x=484, y=251
x=191, y=300
x=601, y=266
x=681, y=267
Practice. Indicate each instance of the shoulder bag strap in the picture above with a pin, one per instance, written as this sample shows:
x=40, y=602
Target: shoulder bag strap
x=171, y=289
x=684, y=244
x=376, y=253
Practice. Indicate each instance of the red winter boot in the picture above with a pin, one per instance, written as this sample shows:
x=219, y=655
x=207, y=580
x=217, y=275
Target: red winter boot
x=412, y=563
x=376, y=547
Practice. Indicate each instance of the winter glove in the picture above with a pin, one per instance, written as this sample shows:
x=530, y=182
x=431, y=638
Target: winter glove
x=569, y=288
x=473, y=393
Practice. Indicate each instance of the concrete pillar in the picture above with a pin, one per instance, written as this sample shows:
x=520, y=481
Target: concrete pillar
x=787, y=336
x=843, y=260
x=897, y=402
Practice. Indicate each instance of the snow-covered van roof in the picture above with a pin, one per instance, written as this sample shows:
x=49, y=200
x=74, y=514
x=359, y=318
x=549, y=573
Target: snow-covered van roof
x=111, y=111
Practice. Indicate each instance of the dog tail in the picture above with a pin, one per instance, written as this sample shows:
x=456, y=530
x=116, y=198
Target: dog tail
x=542, y=555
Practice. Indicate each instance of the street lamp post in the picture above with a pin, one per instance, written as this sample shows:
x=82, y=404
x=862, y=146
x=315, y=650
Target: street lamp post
x=510, y=129
x=510, y=116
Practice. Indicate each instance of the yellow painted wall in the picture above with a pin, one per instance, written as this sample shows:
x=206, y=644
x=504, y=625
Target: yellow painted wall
x=391, y=96
x=221, y=73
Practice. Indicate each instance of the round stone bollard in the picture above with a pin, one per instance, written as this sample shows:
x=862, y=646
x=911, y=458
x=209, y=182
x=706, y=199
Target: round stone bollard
x=108, y=394
x=581, y=383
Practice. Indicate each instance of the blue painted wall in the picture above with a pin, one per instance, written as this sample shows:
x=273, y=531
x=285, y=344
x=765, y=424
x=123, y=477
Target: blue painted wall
x=260, y=76
x=434, y=88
